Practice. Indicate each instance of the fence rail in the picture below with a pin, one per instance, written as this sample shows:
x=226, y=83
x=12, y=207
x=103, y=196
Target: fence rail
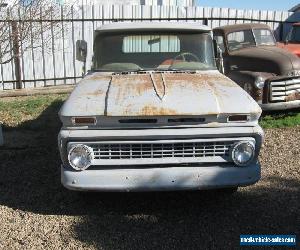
x=56, y=64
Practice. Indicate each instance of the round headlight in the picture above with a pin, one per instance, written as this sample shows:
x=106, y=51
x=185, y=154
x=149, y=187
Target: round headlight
x=259, y=82
x=243, y=153
x=80, y=157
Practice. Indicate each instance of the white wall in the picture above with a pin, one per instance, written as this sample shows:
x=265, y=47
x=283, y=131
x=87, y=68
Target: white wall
x=184, y=3
x=104, y=2
x=58, y=61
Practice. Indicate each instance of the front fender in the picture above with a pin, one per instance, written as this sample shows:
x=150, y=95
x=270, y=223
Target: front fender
x=241, y=77
x=246, y=80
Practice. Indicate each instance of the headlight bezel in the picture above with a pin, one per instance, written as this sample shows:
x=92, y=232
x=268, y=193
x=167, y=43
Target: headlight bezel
x=89, y=152
x=251, y=144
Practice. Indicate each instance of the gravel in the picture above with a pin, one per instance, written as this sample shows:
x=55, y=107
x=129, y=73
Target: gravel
x=38, y=213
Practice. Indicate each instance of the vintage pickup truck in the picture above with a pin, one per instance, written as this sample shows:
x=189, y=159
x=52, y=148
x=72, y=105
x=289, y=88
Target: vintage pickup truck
x=292, y=41
x=271, y=75
x=154, y=113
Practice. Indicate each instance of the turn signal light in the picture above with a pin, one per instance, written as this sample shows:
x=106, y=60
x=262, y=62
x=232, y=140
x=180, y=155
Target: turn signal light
x=84, y=120
x=237, y=118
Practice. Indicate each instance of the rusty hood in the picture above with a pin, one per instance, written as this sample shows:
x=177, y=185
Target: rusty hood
x=158, y=94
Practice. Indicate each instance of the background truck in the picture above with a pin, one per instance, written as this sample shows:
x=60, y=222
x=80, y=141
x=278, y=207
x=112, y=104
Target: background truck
x=292, y=41
x=271, y=75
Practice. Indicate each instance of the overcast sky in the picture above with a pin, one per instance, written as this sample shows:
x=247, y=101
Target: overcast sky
x=251, y=4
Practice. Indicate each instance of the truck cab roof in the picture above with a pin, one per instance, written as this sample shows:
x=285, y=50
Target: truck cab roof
x=159, y=26
x=239, y=27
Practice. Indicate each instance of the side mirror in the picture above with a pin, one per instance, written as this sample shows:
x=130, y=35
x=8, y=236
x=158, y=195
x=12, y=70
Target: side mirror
x=219, y=57
x=81, y=50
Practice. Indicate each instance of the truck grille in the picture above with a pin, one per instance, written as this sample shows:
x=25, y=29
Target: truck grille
x=161, y=150
x=284, y=91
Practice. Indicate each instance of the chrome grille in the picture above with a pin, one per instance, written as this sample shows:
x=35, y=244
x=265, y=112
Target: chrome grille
x=160, y=150
x=280, y=91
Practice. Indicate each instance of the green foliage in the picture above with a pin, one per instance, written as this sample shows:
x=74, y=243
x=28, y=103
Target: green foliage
x=17, y=110
x=281, y=119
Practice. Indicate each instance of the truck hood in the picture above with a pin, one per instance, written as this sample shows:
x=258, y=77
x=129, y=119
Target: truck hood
x=158, y=94
x=270, y=59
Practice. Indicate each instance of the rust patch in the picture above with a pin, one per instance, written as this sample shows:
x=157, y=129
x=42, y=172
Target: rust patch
x=135, y=85
x=124, y=88
x=198, y=79
x=293, y=97
x=216, y=90
x=152, y=110
x=148, y=111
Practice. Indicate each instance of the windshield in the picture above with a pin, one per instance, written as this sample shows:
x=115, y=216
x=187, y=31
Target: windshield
x=295, y=35
x=240, y=39
x=264, y=37
x=153, y=51
x=247, y=38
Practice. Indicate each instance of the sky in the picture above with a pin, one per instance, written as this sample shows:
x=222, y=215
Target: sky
x=251, y=4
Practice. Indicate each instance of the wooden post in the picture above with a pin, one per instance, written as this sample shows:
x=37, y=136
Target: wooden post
x=16, y=54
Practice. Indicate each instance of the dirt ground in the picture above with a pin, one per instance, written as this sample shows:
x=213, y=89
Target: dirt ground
x=36, y=212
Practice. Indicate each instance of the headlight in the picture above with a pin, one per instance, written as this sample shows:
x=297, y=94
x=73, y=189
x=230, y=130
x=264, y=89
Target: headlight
x=259, y=82
x=80, y=157
x=243, y=153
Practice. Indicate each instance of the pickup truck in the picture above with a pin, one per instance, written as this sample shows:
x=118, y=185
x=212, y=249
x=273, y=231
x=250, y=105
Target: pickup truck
x=271, y=75
x=292, y=41
x=154, y=113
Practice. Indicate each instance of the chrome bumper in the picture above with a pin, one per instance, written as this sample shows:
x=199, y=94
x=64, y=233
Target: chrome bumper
x=161, y=179
x=280, y=105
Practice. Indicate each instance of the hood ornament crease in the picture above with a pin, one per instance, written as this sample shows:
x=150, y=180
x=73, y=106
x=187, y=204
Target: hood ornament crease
x=106, y=95
x=160, y=96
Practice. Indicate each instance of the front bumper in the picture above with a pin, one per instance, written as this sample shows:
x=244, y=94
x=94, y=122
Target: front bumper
x=280, y=105
x=161, y=179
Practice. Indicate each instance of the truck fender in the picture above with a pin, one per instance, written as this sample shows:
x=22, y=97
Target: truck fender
x=247, y=80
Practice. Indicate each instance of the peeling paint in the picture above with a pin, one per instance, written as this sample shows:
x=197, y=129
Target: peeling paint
x=152, y=110
x=166, y=93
